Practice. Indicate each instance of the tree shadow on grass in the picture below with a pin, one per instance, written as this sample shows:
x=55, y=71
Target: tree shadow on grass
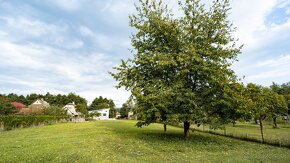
x=158, y=136
x=195, y=138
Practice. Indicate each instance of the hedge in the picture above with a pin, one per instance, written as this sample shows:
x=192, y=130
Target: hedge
x=12, y=121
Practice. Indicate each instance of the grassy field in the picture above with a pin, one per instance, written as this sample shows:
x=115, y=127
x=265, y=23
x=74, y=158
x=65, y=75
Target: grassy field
x=121, y=141
x=252, y=131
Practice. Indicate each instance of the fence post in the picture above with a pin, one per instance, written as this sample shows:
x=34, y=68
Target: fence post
x=225, y=132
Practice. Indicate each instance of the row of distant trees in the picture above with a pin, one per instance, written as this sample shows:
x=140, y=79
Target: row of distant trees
x=56, y=102
x=249, y=102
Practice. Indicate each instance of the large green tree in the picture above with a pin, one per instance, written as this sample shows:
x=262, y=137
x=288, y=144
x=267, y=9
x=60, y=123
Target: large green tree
x=181, y=64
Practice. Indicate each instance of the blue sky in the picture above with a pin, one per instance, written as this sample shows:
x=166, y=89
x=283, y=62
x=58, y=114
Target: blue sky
x=62, y=46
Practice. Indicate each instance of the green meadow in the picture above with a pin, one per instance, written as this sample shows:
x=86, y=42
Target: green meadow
x=121, y=141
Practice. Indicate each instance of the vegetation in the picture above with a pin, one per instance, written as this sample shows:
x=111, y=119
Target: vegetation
x=11, y=121
x=56, y=100
x=127, y=107
x=83, y=109
x=263, y=103
x=283, y=89
x=54, y=111
x=6, y=108
x=181, y=65
x=124, y=110
x=121, y=141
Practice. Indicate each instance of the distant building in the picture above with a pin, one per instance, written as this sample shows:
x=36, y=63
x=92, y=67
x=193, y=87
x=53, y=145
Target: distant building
x=118, y=115
x=39, y=104
x=71, y=109
x=36, y=107
x=104, y=114
x=131, y=115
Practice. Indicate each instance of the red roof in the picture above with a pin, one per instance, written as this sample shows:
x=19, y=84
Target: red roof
x=17, y=105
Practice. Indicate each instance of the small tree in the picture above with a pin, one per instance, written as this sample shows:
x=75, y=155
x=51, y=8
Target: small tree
x=83, y=109
x=283, y=89
x=277, y=105
x=124, y=110
x=54, y=111
x=6, y=108
x=257, y=104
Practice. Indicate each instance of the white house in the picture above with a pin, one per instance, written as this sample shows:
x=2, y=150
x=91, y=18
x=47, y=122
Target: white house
x=104, y=114
x=71, y=109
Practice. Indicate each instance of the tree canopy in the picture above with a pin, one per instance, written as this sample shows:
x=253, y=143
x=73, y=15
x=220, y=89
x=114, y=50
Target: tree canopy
x=181, y=65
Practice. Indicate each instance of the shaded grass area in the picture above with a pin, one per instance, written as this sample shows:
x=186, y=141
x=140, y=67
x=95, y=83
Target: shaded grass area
x=248, y=131
x=121, y=141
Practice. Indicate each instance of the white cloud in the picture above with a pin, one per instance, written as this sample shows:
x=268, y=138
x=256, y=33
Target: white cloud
x=249, y=17
x=85, y=75
x=31, y=27
x=116, y=12
x=277, y=62
x=275, y=69
x=68, y=5
x=103, y=41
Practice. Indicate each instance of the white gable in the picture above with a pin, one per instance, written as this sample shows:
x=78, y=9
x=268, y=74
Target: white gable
x=41, y=102
x=37, y=102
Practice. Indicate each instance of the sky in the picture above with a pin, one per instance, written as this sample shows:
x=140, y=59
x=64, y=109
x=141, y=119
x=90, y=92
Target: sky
x=63, y=46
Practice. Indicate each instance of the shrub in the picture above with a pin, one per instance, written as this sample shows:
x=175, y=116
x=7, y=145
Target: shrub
x=12, y=121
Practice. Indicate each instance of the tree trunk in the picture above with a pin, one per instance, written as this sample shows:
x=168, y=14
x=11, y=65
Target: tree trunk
x=275, y=122
x=186, y=126
x=261, y=128
x=164, y=127
x=234, y=123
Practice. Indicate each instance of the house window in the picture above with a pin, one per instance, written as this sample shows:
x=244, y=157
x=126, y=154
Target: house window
x=104, y=114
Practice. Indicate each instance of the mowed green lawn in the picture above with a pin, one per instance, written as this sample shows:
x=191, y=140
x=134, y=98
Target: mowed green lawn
x=121, y=141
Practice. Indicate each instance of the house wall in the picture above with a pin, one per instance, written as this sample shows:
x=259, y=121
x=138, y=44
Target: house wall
x=104, y=114
x=71, y=110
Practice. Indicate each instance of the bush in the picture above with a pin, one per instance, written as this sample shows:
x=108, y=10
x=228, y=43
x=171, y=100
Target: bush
x=7, y=109
x=12, y=121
